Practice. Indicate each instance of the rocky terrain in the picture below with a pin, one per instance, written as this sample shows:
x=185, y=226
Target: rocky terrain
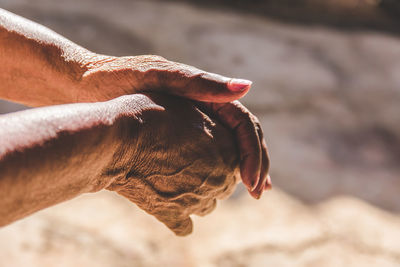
x=328, y=99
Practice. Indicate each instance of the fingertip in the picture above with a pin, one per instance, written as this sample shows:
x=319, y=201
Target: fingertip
x=250, y=181
x=257, y=193
x=183, y=228
x=254, y=185
x=239, y=85
x=248, y=186
x=232, y=89
x=268, y=183
x=207, y=209
x=269, y=180
x=254, y=195
x=250, y=171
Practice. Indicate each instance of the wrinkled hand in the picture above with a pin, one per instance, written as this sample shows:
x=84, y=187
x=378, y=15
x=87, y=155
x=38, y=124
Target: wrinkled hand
x=109, y=77
x=254, y=159
x=177, y=162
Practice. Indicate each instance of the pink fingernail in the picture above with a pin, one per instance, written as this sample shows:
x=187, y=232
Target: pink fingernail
x=238, y=85
x=268, y=185
x=269, y=179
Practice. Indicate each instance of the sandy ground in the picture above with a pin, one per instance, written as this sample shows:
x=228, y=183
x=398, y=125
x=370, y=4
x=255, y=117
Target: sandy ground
x=106, y=230
x=328, y=102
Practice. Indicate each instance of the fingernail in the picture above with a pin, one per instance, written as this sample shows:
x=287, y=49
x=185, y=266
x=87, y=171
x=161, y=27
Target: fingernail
x=238, y=85
x=268, y=187
x=254, y=194
x=250, y=185
x=268, y=184
x=253, y=186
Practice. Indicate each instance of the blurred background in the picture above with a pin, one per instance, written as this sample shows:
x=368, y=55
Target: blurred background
x=327, y=91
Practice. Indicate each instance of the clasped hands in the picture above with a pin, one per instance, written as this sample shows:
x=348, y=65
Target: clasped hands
x=169, y=137
x=183, y=153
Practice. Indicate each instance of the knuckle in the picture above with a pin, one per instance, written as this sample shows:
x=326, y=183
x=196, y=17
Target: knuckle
x=245, y=116
x=255, y=120
x=158, y=58
x=242, y=113
x=239, y=115
x=150, y=58
x=207, y=208
x=151, y=64
x=258, y=128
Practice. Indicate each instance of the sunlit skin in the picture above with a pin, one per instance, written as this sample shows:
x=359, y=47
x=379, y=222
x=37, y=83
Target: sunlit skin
x=121, y=134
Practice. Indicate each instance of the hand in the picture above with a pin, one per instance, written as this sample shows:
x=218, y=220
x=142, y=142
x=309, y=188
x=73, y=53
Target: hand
x=177, y=162
x=42, y=68
x=254, y=159
x=109, y=77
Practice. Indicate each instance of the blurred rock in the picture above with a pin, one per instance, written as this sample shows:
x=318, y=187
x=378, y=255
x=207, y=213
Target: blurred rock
x=105, y=230
x=382, y=15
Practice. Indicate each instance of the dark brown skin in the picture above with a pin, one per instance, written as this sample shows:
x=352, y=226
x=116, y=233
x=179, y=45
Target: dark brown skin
x=161, y=152
x=39, y=67
x=180, y=170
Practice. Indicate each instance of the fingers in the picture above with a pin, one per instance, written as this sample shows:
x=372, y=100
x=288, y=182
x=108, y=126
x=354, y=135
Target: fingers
x=250, y=154
x=181, y=227
x=254, y=161
x=264, y=181
x=189, y=82
x=174, y=217
x=268, y=183
x=207, y=208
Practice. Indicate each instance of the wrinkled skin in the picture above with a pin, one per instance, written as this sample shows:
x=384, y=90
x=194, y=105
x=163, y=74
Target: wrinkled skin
x=113, y=141
x=180, y=168
x=123, y=75
x=39, y=67
x=161, y=152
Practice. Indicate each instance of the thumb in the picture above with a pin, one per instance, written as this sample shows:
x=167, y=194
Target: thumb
x=189, y=82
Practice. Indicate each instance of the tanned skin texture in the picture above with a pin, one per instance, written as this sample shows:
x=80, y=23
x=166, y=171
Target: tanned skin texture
x=178, y=170
x=172, y=156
